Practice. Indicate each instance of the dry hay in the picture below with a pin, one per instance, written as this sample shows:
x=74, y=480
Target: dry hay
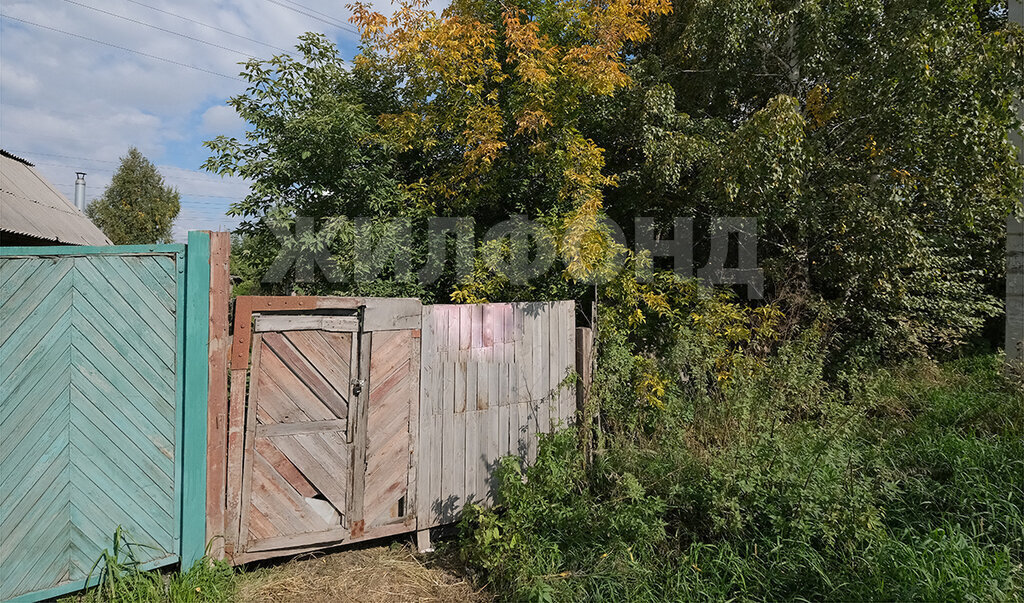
x=375, y=574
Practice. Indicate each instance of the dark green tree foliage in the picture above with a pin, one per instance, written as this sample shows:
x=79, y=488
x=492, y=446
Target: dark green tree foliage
x=868, y=138
x=309, y=152
x=137, y=208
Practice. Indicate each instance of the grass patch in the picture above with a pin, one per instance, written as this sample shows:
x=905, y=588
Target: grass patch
x=905, y=484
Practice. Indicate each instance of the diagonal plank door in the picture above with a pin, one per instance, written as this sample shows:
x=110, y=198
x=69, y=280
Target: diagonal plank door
x=297, y=478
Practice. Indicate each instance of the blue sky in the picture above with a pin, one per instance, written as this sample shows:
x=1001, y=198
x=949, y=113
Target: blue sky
x=72, y=104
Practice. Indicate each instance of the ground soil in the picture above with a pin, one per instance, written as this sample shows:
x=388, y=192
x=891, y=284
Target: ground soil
x=375, y=574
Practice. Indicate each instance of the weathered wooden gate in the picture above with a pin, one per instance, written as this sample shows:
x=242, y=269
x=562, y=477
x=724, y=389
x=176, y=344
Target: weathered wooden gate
x=93, y=426
x=337, y=431
x=329, y=420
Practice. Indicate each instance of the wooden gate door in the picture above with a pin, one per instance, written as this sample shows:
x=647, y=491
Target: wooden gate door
x=330, y=427
x=297, y=473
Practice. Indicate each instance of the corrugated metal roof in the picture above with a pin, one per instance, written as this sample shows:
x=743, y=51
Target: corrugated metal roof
x=29, y=205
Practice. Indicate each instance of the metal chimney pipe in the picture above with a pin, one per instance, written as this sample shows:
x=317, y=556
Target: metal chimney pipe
x=80, y=191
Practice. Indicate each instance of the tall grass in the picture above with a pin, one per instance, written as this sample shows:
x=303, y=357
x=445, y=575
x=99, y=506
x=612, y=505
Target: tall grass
x=901, y=485
x=121, y=579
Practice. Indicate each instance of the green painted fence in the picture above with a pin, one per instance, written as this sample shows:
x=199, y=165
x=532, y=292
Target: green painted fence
x=102, y=409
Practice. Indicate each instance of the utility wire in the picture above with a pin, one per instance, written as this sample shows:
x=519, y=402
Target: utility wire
x=213, y=180
x=340, y=22
x=224, y=31
x=156, y=27
x=124, y=48
x=314, y=17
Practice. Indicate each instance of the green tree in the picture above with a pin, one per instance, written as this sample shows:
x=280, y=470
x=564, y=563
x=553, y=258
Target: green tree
x=137, y=208
x=868, y=138
x=311, y=151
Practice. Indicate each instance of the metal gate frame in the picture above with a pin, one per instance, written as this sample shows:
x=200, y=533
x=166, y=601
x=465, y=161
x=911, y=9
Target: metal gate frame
x=192, y=262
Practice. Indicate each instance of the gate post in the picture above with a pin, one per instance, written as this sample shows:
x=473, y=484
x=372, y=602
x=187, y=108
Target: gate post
x=1015, y=245
x=197, y=331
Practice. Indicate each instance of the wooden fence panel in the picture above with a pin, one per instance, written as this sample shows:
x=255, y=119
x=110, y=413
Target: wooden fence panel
x=1015, y=290
x=494, y=376
x=92, y=419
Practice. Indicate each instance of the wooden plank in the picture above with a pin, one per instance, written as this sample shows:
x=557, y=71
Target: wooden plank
x=353, y=409
x=359, y=441
x=283, y=429
x=1014, y=341
x=330, y=355
x=493, y=434
x=393, y=387
x=489, y=314
x=293, y=545
x=472, y=384
x=584, y=342
x=236, y=445
x=282, y=504
x=476, y=317
x=465, y=317
x=284, y=398
x=260, y=526
x=569, y=362
x=245, y=498
x=451, y=473
x=460, y=375
x=521, y=423
x=245, y=305
x=197, y=357
x=542, y=365
x=321, y=462
x=504, y=447
x=300, y=366
x=435, y=498
x=524, y=353
x=283, y=466
x=424, y=439
x=412, y=454
x=392, y=314
x=439, y=316
x=278, y=322
x=472, y=431
x=531, y=432
x=555, y=369
x=217, y=400
x=455, y=499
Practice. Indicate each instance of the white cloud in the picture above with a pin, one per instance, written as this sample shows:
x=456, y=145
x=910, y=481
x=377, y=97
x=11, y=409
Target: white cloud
x=221, y=119
x=69, y=104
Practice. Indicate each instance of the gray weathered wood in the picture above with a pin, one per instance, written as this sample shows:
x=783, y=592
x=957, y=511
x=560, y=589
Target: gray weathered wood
x=1015, y=290
x=385, y=314
x=283, y=429
x=291, y=322
x=495, y=385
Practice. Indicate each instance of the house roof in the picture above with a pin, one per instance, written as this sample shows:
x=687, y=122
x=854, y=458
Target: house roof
x=31, y=206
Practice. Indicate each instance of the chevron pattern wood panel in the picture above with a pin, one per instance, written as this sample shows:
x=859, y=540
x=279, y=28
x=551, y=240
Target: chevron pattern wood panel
x=394, y=386
x=87, y=413
x=298, y=478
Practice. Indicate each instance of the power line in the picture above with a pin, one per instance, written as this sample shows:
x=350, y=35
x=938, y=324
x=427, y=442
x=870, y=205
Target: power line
x=240, y=36
x=106, y=170
x=158, y=28
x=126, y=49
x=340, y=22
x=314, y=17
x=28, y=154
